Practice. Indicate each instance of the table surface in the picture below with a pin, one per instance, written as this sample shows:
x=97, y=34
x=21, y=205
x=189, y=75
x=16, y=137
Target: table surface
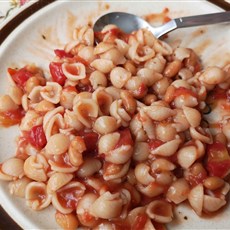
x=11, y=7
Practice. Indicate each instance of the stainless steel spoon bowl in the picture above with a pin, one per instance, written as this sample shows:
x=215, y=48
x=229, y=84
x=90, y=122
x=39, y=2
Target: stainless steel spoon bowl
x=129, y=22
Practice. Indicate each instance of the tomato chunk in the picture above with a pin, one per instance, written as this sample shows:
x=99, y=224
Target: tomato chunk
x=125, y=138
x=11, y=117
x=90, y=139
x=37, y=137
x=63, y=54
x=154, y=143
x=218, y=163
x=20, y=76
x=57, y=73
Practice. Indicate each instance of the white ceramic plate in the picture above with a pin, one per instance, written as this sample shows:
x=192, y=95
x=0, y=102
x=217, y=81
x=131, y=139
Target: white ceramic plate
x=55, y=23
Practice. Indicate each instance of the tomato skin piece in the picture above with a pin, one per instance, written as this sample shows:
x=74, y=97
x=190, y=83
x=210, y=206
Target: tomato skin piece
x=57, y=73
x=36, y=137
x=154, y=143
x=62, y=54
x=219, y=169
x=218, y=162
x=20, y=76
x=125, y=138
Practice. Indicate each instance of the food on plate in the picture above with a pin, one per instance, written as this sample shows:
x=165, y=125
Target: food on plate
x=119, y=132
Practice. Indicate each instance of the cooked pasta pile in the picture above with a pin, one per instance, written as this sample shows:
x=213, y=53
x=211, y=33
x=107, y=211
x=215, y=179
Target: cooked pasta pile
x=118, y=133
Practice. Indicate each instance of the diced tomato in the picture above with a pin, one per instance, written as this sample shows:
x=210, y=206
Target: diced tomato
x=125, y=138
x=77, y=58
x=57, y=73
x=219, y=169
x=153, y=144
x=197, y=179
x=90, y=139
x=218, y=163
x=37, y=137
x=20, y=76
x=11, y=117
x=140, y=222
x=63, y=54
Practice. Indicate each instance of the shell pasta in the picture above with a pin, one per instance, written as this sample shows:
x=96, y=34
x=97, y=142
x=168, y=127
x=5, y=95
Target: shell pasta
x=119, y=132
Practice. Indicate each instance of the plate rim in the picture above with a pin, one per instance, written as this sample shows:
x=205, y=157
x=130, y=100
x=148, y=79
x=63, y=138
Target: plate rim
x=14, y=20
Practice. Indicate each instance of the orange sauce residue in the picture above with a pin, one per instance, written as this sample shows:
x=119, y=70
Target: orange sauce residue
x=161, y=17
x=202, y=46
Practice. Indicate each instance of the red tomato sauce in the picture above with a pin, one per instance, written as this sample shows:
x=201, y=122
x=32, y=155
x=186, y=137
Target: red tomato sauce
x=20, y=76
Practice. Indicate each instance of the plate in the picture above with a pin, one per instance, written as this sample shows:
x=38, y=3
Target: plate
x=36, y=38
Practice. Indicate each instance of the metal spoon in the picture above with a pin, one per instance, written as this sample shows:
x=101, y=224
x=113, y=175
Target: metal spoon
x=129, y=22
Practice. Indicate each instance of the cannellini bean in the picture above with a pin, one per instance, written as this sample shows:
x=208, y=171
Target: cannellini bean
x=57, y=144
x=7, y=104
x=107, y=206
x=128, y=101
x=212, y=76
x=196, y=198
x=213, y=183
x=172, y=69
x=160, y=211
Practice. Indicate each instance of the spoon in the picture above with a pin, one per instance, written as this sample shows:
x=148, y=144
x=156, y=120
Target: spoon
x=129, y=22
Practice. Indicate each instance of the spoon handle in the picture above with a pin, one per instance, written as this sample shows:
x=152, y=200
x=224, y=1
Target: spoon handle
x=204, y=19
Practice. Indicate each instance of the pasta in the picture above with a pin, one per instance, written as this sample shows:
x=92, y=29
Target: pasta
x=104, y=136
